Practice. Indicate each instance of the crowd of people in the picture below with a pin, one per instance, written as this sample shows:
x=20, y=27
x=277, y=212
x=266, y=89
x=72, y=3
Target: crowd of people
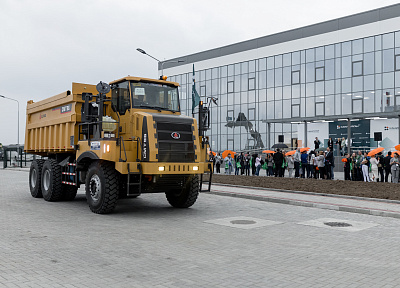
x=318, y=163
x=300, y=164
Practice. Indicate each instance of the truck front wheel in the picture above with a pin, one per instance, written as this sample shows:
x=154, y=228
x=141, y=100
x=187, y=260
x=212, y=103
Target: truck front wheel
x=35, y=176
x=51, y=181
x=186, y=196
x=102, y=187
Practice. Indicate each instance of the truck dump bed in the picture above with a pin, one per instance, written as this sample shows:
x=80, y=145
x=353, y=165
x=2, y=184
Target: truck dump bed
x=52, y=124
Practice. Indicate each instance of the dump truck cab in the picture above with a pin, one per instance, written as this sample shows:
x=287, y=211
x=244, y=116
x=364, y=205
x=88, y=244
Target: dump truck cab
x=131, y=139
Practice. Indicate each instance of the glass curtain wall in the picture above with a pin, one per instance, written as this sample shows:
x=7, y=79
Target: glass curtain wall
x=353, y=77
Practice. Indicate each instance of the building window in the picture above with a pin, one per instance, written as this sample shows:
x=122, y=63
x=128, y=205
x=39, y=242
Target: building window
x=397, y=62
x=357, y=68
x=231, y=87
x=252, y=83
x=229, y=116
x=319, y=109
x=252, y=114
x=319, y=74
x=296, y=110
x=203, y=90
x=295, y=77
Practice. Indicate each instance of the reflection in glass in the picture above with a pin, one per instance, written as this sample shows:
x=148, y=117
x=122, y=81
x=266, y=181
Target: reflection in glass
x=346, y=104
x=296, y=58
x=287, y=59
x=357, y=105
x=369, y=44
x=369, y=101
x=388, y=60
x=388, y=41
x=310, y=57
x=357, y=68
x=295, y=77
x=357, y=46
x=346, y=48
x=278, y=77
x=320, y=74
x=278, y=61
x=388, y=80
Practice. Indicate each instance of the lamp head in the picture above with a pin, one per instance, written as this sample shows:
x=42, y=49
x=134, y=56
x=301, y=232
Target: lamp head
x=141, y=51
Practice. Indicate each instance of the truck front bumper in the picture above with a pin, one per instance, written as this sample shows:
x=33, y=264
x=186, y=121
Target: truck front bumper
x=162, y=168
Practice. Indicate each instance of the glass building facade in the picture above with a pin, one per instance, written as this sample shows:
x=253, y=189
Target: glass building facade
x=360, y=77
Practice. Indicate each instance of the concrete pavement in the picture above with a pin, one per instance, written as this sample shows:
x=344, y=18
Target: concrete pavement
x=219, y=242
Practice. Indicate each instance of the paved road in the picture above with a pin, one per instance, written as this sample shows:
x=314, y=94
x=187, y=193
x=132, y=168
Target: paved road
x=219, y=242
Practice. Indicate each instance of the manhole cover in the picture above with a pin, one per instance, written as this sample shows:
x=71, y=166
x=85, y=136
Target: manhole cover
x=243, y=222
x=338, y=224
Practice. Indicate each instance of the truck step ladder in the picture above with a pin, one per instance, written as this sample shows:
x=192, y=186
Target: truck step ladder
x=69, y=170
x=129, y=183
x=209, y=182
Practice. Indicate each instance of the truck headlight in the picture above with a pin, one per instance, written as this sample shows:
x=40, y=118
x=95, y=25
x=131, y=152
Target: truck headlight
x=195, y=168
x=161, y=168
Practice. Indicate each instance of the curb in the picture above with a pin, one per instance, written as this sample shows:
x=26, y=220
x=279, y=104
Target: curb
x=312, y=204
x=313, y=193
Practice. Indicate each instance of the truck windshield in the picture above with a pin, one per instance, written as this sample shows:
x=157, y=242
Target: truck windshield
x=155, y=96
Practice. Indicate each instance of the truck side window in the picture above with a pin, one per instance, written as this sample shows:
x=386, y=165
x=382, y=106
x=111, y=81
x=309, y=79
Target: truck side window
x=120, y=97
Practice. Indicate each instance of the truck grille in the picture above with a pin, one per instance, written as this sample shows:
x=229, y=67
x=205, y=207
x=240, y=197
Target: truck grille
x=175, y=150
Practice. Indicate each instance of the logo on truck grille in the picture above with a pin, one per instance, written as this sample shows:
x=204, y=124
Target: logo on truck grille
x=175, y=135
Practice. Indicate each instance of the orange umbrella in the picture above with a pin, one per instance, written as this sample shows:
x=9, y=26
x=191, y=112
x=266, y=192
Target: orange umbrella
x=290, y=153
x=269, y=151
x=304, y=149
x=397, y=147
x=226, y=152
x=375, y=151
x=212, y=153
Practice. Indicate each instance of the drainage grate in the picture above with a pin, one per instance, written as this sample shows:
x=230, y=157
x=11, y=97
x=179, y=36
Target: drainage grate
x=243, y=222
x=338, y=224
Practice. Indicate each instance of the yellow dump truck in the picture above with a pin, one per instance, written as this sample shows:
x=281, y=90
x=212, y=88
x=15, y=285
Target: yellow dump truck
x=120, y=140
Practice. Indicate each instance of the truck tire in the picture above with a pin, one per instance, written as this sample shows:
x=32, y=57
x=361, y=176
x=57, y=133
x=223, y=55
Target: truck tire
x=186, y=196
x=35, y=177
x=69, y=192
x=102, y=187
x=51, y=181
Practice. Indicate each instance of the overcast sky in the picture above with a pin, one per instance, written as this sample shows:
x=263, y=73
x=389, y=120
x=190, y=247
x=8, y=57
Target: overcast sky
x=46, y=45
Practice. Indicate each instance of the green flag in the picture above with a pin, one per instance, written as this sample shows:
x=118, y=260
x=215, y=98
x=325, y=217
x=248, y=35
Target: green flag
x=195, y=95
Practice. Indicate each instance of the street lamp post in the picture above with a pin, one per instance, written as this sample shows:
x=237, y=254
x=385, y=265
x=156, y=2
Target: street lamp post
x=161, y=62
x=18, y=113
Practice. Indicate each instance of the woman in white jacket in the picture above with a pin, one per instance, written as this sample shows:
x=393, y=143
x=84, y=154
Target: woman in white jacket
x=374, y=168
x=290, y=164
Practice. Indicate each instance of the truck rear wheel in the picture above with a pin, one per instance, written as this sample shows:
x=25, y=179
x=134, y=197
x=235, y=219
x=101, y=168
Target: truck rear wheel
x=51, y=181
x=102, y=187
x=185, y=197
x=35, y=176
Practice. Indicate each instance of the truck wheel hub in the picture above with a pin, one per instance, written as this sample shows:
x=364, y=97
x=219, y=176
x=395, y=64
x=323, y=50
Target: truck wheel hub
x=46, y=180
x=33, y=177
x=95, y=187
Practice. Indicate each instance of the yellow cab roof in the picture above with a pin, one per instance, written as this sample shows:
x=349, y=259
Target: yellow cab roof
x=141, y=79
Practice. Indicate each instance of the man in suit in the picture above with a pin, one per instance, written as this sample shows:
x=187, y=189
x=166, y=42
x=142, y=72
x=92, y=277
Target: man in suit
x=278, y=160
x=386, y=165
x=329, y=163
